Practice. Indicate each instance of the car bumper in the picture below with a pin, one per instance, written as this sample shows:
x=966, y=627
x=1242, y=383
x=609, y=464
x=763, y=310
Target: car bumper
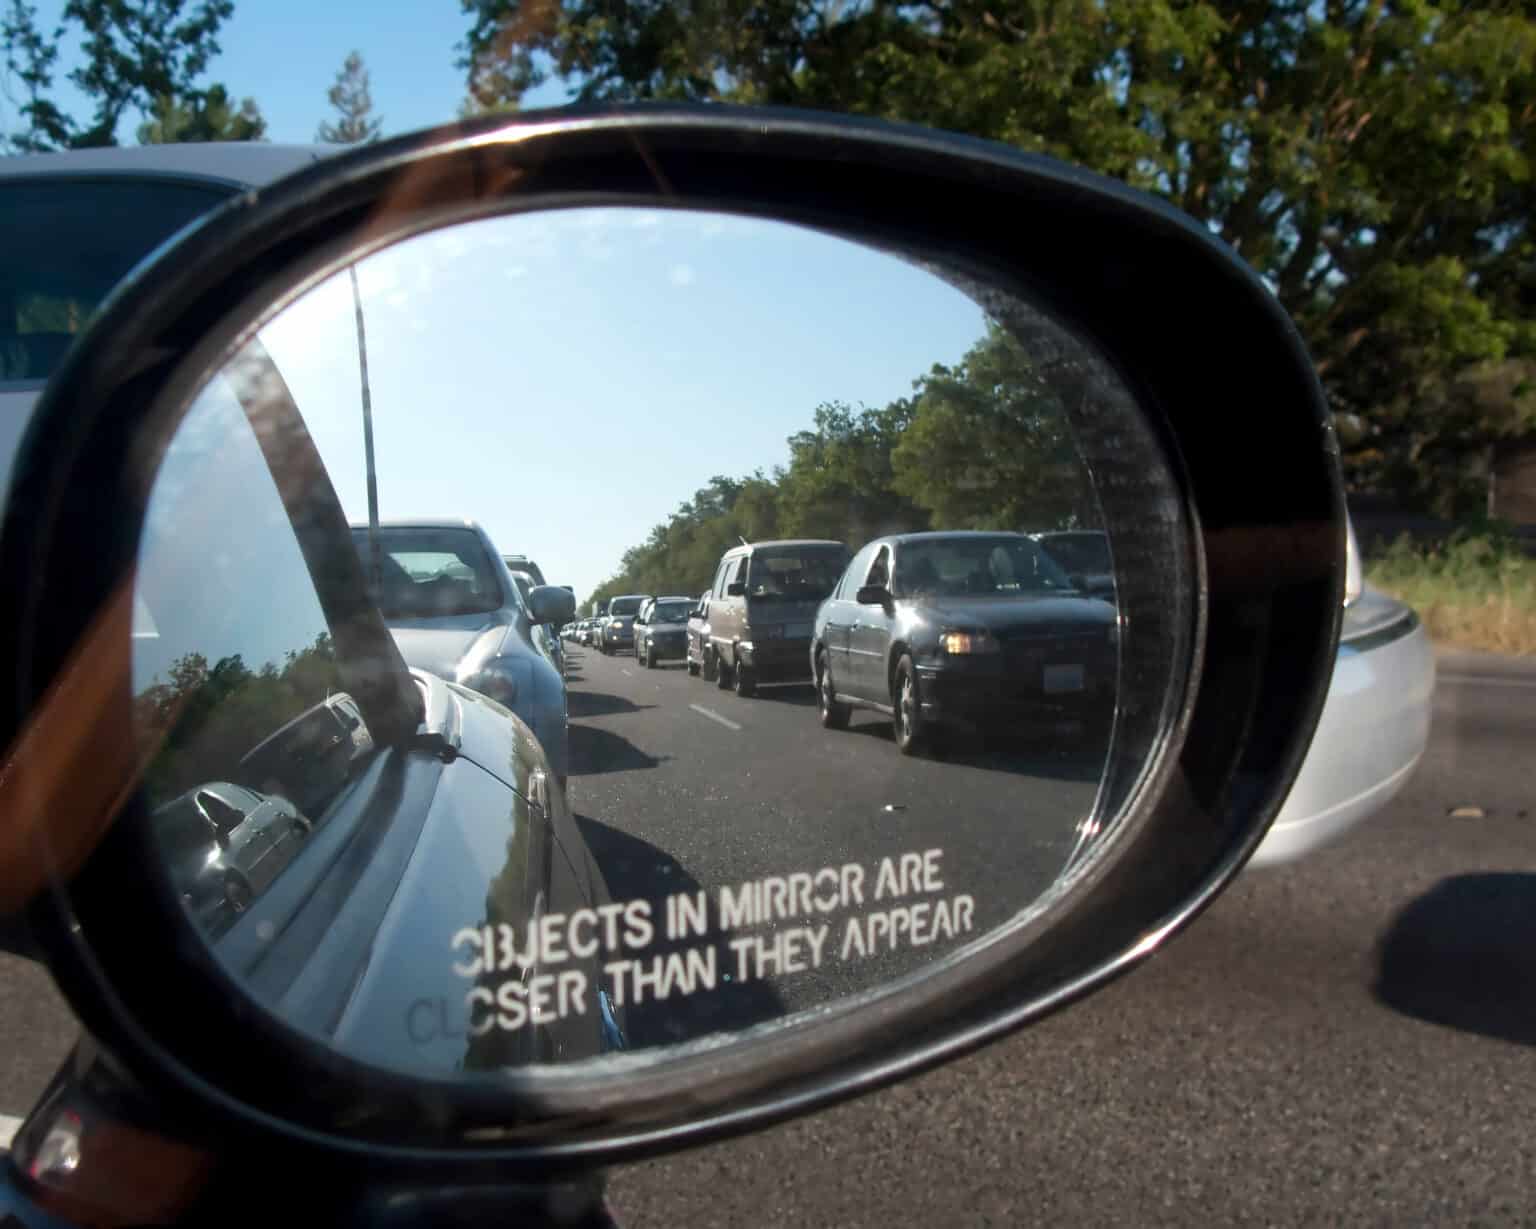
x=787, y=660
x=668, y=646
x=1372, y=733
x=981, y=696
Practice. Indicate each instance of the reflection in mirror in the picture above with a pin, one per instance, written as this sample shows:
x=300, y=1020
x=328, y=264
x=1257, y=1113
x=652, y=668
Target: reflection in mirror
x=828, y=692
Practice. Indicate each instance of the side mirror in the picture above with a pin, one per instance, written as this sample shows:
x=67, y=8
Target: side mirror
x=456, y=995
x=873, y=595
x=735, y=589
x=551, y=604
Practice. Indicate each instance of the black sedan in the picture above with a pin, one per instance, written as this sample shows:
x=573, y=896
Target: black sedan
x=967, y=630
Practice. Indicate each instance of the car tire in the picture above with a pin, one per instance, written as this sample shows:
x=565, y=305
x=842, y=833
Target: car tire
x=912, y=735
x=744, y=679
x=723, y=678
x=834, y=714
x=693, y=668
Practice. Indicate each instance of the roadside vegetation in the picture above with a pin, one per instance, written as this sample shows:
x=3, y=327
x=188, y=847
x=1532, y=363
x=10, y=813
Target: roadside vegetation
x=1475, y=590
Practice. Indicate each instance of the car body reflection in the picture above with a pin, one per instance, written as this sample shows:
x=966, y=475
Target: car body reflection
x=225, y=844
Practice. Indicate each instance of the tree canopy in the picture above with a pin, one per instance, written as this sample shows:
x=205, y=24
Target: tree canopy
x=355, y=121
x=981, y=445
x=1372, y=161
x=138, y=56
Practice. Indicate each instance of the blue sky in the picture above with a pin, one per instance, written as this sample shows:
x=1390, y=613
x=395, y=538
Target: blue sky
x=567, y=379
x=285, y=55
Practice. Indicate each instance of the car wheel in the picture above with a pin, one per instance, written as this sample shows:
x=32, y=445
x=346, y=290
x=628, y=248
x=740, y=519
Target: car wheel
x=237, y=892
x=834, y=715
x=708, y=666
x=693, y=667
x=745, y=679
x=911, y=733
x=723, y=678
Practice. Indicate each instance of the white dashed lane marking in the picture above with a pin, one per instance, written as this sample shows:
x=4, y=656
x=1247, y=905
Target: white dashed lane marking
x=714, y=716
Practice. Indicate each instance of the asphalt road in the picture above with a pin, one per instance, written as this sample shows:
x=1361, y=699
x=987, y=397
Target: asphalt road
x=1348, y=1040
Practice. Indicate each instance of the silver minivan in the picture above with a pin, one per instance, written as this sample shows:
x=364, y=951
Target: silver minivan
x=761, y=608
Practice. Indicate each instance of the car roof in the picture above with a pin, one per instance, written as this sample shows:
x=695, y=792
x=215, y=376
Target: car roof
x=931, y=535
x=429, y=522
x=237, y=163
x=751, y=546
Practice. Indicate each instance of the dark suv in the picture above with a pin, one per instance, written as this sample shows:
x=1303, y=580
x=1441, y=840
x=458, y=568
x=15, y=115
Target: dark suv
x=616, y=629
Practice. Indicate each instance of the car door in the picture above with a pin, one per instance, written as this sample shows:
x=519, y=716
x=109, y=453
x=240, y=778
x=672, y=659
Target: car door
x=869, y=634
x=837, y=618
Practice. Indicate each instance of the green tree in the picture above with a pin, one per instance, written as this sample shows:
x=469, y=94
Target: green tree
x=1371, y=161
x=206, y=115
x=988, y=447
x=355, y=122
x=136, y=54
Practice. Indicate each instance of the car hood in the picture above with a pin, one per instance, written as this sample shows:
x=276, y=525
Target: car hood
x=1008, y=617
x=445, y=646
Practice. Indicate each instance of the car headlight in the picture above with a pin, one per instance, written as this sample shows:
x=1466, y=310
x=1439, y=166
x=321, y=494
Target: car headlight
x=958, y=643
x=615, y=622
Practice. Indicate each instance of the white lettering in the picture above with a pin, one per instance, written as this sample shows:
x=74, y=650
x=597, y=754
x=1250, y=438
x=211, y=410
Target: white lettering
x=470, y=937
x=583, y=948
x=931, y=880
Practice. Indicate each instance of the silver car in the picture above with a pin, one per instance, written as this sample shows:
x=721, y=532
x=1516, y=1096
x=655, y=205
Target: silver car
x=454, y=609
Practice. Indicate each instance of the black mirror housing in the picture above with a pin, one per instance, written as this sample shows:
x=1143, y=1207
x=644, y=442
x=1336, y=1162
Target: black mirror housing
x=1194, y=777
x=873, y=595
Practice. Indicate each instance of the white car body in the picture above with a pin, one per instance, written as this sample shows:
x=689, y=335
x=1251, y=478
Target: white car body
x=1373, y=729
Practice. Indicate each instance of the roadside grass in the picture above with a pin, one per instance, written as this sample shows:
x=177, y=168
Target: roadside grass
x=1473, y=591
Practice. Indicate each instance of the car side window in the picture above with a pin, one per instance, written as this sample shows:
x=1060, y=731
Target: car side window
x=720, y=577
x=856, y=568
x=740, y=575
x=880, y=570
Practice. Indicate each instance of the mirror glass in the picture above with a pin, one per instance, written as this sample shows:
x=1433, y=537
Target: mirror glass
x=756, y=599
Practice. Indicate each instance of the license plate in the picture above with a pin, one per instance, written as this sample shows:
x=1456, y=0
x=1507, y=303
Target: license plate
x=1063, y=678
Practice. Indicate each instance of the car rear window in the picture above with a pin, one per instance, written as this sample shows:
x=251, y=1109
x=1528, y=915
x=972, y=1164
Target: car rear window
x=432, y=572
x=797, y=573
x=65, y=243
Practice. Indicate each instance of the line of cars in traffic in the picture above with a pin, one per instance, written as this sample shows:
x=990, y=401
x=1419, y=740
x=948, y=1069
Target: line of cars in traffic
x=940, y=631
x=947, y=632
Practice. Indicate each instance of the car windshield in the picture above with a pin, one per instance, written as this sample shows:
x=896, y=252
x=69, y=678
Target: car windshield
x=795, y=574
x=980, y=566
x=67, y=243
x=671, y=612
x=1079, y=552
x=624, y=606
x=431, y=572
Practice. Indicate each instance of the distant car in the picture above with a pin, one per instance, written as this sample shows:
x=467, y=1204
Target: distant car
x=224, y=845
x=762, y=607
x=969, y=630
x=616, y=629
x=697, y=653
x=661, y=630
x=584, y=632
x=521, y=563
x=1084, y=556
x=454, y=610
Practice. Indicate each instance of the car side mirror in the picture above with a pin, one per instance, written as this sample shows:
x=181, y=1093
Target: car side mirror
x=468, y=1015
x=735, y=589
x=551, y=604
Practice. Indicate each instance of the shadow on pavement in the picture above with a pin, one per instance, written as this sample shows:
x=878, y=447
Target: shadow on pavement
x=1069, y=757
x=1462, y=955
x=600, y=704
x=595, y=751
x=636, y=869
